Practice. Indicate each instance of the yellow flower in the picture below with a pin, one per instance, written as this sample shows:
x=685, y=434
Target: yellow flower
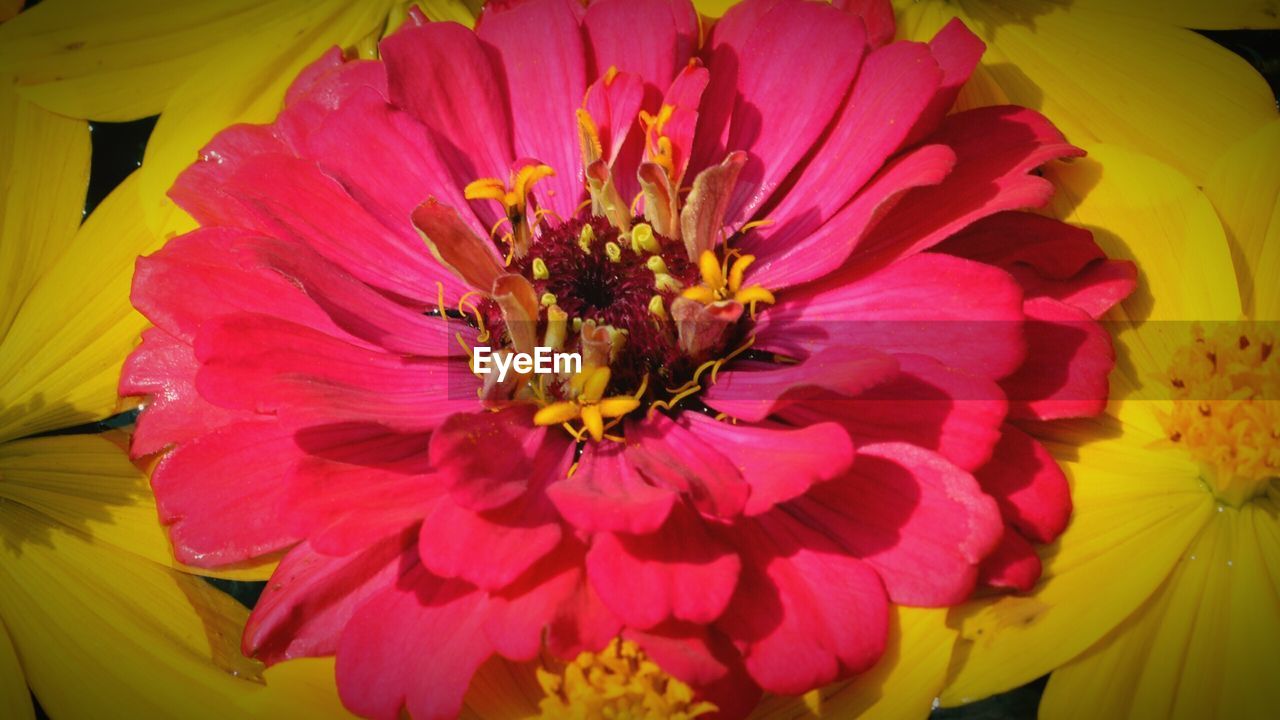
x=201, y=65
x=1122, y=72
x=94, y=614
x=1161, y=598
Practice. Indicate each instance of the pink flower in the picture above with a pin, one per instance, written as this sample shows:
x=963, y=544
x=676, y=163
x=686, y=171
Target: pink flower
x=780, y=428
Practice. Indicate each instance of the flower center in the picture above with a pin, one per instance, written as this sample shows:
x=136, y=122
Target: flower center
x=618, y=682
x=1225, y=410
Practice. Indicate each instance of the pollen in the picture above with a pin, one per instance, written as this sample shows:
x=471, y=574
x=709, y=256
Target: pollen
x=618, y=682
x=1226, y=408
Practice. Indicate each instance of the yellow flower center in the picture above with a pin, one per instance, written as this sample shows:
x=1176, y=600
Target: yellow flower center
x=1225, y=411
x=618, y=683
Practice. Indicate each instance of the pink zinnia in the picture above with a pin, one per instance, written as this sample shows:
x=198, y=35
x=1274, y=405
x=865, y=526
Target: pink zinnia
x=814, y=333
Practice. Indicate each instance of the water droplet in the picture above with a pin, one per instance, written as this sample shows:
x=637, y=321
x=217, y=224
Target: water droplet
x=1229, y=563
x=937, y=703
x=1193, y=557
x=1220, y=508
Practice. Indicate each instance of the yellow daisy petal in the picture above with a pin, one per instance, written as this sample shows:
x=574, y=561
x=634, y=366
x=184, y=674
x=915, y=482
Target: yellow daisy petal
x=1109, y=78
x=15, y=699
x=1136, y=511
x=1143, y=210
x=463, y=12
x=1216, y=15
x=247, y=83
x=60, y=361
x=1245, y=188
x=44, y=169
x=122, y=59
x=99, y=628
x=903, y=683
x=1203, y=646
x=714, y=8
x=86, y=483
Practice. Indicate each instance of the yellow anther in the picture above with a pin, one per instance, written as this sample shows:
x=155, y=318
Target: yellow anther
x=557, y=322
x=656, y=264
x=557, y=413
x=701, y=293
x=612, y=251
x=618, y=682
x=586, y=237
x=666, y=283
x=540, y=271
x=754, y=294
x=486, y=189
x=547, y=299
x=709, y=268
x=594, y=384
x=642, y=236
x=593, y=422
x=656, y=307
x=610, y=74
x=737, y=270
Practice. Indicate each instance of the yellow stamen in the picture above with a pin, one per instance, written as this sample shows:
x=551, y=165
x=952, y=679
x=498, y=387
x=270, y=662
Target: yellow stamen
x=547, y=299
x=738, y=269
x=656, y=264
x=557, y=413
x=540, y=271
x=593, y=422
x=594, y=384
x=642, y=238
x=586, y=237
x=612, y=251
x=709, y=267
x=1224, y=411
x=618, y=682
x=617, y=406
x=656, y=307
x=754, y=294
x=701, y=293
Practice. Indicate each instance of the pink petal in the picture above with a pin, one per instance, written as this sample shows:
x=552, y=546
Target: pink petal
x=537, y=47
x=311, y=597
x=683, y=97
x=607, y=494
x=204, y=274
x=877, y=15
x=413, y=646
x=966, y=314
x=294, y=199
x=694, y=654
x=238, y=471
x=1028, y=486
x=957, y=51
x=614, y=104
x=957, y=414
x=996, y=149
x=1069, y=357
x=1049, y=258
x=830, y=246
x=921, y=522
x=680, y=571
x=360, y=311
x=582, y=623
x=765, y=122
x=672, y=457
x=163, y=370
x=441, y=74
x=641, y=36
x=365, y=126
x=257, y=362
x=1013, y=565
x=753, y=394
x=805, y=612
x=890, y=92
x=520, y=615
x=777, y=461
x=348, y=508
x=490, y=459
x=488, y=549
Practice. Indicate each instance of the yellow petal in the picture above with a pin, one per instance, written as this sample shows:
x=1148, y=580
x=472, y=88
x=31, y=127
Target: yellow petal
x=1216, y=15
x=44, y=169
x=1245, y=188
x=245, y=83
x=1203, y=646
x=60, y=361
x=86, y=483
x=714, y=8
x=1104, y=77
x=99, y=628
x=1137, y=508
x=15, y=699
x=123, y=59
x=902, y=684
x=463, y=12
x=1143, y=210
